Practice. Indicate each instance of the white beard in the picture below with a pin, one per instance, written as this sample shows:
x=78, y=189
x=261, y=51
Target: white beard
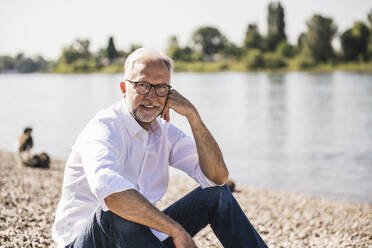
x=142, y=116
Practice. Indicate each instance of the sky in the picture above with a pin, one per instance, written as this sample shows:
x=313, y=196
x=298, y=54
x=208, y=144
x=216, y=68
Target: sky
x=44, y=27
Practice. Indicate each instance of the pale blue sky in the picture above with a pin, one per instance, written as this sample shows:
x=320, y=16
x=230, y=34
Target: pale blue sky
x=45, y=26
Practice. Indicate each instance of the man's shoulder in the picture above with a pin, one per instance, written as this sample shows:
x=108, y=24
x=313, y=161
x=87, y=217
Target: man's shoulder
x=104, y=123
x=108, y=114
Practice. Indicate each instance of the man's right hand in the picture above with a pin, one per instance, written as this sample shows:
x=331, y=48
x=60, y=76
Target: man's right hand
x=184, y=240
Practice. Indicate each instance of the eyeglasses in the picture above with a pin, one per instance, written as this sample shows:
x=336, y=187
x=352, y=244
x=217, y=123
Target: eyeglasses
x=144, y=88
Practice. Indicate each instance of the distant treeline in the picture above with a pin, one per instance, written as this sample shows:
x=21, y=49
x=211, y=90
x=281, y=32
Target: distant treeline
x=210, y=49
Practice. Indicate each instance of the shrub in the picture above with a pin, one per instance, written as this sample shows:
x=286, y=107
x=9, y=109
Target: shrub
x=254, y=59
x=272, y=60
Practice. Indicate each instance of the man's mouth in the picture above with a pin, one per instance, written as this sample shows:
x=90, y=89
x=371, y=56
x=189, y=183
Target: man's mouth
x=149, y=107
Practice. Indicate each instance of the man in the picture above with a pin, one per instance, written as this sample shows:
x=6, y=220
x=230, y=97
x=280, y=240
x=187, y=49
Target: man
x=118, y=170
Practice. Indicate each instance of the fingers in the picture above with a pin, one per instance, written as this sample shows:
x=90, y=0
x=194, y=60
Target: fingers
x=167, y=116
x=165, y=113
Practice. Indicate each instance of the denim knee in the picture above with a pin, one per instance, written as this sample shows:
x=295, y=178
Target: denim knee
x=223, y=191
x=217, y=194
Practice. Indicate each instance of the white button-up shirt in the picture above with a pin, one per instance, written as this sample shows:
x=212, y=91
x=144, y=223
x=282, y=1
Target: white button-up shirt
x=114, y=153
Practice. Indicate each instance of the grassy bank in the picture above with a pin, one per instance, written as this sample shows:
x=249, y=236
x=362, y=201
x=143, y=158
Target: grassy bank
x=239, y=66
x=222, y=66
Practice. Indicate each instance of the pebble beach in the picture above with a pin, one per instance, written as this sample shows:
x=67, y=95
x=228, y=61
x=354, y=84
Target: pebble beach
x=29, y=197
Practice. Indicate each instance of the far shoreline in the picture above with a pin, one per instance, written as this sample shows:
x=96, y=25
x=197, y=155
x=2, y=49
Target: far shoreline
x=218, y=66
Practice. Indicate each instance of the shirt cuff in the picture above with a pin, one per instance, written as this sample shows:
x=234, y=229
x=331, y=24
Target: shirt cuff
x=120, y=185
x=203, y=180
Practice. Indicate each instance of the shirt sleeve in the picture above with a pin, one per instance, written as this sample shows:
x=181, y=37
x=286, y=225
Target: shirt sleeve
x=184, y=156
x=99, y=152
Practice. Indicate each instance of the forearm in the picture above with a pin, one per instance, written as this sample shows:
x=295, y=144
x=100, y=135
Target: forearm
x=210, y=155
x=132, y=206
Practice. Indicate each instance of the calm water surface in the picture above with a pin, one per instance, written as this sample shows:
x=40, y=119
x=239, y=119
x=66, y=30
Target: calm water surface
x=299, y=132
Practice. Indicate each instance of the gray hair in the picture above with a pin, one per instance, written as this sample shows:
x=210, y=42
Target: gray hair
x=145, y=52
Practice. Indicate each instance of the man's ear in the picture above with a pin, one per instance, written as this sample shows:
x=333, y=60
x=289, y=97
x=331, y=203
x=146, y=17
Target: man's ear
x=122, y=87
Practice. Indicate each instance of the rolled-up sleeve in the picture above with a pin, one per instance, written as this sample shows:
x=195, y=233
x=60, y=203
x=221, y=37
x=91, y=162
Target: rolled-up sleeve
x=100, y=156
x=184, y=156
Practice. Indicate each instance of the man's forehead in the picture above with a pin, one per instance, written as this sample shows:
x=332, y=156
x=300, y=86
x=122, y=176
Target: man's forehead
x=149, y=66
x=144, y=62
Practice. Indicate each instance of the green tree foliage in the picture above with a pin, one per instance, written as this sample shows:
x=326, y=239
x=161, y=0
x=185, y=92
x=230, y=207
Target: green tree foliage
x=7, y=63
x=232, y=51
x=369, y=17
x=209, y=40
x=254, y=59
x=369, y=48
x=23, y=64
x=273, y=60
x=318, y=38
x=303, y=61
x=253, y=38
x=77, y=58
x=178, y=53
x=112, y=54
x=276, y=26
x=301, y=41
x=354, y=42
x=285, y=50
x=79, y=49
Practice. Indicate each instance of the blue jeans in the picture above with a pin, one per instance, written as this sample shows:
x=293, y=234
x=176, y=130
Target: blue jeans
x=215, y=206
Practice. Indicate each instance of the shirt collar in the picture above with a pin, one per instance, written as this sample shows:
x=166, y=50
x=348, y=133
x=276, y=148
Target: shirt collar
x=132, y=125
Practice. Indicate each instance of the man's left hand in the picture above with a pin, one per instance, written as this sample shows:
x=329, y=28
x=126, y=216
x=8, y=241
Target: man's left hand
x=178, y=103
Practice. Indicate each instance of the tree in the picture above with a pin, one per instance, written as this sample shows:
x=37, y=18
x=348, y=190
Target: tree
x=284, y=49
x=276, y=26
x=254, y=59
x=301, y=41
x=318, y=38
x=209, y=40
x=233, y=51
x=79, y=49
x=253, y=39
x=354, y=42
x=7, y=63
x=112, y=54
x=26, y=65
x=174, y=51
x=369, y=48
x=369, y=16
x=178, y=53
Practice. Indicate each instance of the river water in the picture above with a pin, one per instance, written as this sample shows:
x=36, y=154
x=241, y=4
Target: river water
x=301, y=132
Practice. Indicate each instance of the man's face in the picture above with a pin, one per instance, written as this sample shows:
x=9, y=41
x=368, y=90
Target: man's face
x=145, y=108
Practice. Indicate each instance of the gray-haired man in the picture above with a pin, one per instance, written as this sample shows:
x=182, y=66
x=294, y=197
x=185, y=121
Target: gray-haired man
x=118, y=170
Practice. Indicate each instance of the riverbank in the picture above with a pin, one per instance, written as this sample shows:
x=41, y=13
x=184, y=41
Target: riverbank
x=29, y=197
x=220, y=66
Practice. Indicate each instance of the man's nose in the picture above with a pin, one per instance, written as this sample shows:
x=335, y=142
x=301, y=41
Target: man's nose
x=152, y=93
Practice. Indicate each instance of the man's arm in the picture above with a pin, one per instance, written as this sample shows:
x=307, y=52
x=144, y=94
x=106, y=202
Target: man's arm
x=210, y=156
x=132, y=206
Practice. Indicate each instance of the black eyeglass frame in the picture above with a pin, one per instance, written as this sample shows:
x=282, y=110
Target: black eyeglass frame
x=151, y=85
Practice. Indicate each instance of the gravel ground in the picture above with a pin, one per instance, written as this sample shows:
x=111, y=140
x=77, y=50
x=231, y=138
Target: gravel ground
x=29, y=197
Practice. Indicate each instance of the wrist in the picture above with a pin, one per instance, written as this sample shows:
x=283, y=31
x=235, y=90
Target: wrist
x=177, y=231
